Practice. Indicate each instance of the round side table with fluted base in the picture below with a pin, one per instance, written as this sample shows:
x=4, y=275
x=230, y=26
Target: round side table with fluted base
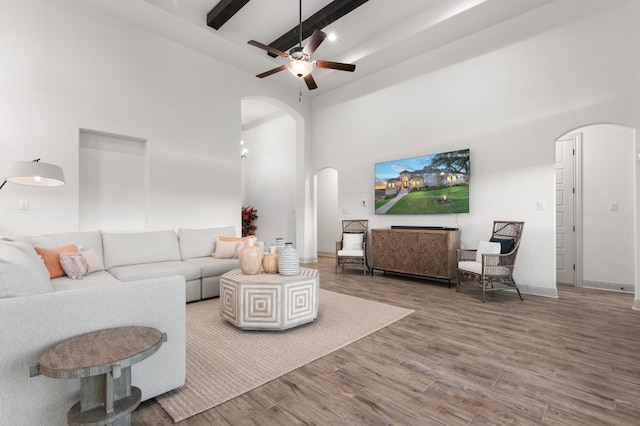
x=102, y=361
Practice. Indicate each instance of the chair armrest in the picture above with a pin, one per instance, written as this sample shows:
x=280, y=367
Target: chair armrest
x=465, y=255
x=338, y=246
x=507, y=259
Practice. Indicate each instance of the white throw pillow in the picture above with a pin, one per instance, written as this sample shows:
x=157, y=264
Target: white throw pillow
x=353, y=241
x=225, y=249
x=74, y=265
x=94, y=260
x=485, y=247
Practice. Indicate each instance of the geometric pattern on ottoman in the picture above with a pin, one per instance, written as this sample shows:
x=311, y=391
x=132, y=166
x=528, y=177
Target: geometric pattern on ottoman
x=269, y=301
x=261, y=303
x=229, y=301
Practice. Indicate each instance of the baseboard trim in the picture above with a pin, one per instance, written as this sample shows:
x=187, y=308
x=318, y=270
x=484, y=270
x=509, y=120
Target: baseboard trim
x=327, y=254
x=538, y=291
x=599, y=285
x=636, y=305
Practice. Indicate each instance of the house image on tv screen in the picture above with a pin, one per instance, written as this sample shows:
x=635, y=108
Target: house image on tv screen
x=430, y=184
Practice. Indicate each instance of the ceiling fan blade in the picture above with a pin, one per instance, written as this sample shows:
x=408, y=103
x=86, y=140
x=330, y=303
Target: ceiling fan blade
x=316, y=38
x=273, y=71
x=268, y=48
x=336, y=66
x=311, y=83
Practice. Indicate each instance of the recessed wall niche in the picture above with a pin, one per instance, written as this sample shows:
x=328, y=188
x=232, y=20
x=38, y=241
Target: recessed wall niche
x=113, y=190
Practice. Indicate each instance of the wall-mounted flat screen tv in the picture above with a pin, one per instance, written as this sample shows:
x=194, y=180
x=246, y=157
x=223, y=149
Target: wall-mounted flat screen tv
x=430, y=184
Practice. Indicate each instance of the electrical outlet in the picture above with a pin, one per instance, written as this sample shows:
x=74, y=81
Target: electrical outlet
x=613, y=207
x=363, y=202
x=24, y=204
x=542, y=205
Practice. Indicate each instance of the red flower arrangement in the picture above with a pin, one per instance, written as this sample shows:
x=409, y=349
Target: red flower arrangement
x=249, y=214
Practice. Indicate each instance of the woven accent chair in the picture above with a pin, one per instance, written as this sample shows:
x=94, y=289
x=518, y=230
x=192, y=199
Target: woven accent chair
x=490, y=267
x=351, y=250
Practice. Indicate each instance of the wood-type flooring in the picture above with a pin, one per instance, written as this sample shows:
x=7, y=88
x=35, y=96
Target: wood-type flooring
x=456, y=361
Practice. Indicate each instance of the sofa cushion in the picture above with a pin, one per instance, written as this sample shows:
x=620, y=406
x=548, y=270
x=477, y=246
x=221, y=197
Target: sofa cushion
x=214, y=267
x=51, y=258
x=200, y=242
x=84, y=240
x=122, y=249
x=22, y=272
x=96, y=279
x=156, y=270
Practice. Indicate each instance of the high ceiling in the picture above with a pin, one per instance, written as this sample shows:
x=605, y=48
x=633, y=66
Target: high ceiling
x=374, y=36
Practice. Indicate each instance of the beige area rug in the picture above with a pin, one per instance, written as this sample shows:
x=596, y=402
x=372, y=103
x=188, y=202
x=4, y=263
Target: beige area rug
x=224, y=362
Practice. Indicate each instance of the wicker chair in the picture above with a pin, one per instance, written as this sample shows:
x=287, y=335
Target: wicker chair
x=351, y=250
x=491, y=266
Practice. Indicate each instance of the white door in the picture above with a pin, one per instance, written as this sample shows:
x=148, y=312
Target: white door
x=565, y=205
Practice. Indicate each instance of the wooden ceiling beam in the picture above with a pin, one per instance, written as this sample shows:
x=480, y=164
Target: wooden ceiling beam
x=325, y=16
x=223, y=11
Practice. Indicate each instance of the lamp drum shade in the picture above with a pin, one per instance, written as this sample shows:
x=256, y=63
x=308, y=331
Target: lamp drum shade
x=35, y=173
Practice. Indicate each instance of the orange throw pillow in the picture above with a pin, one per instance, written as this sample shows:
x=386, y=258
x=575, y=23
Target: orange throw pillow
x=51, y=258
x=236, y=239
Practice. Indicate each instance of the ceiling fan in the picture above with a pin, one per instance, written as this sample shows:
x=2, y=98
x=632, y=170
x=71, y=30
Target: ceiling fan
x=300, y=63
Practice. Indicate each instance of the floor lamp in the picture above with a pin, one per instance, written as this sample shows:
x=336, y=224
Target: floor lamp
x=34, y=173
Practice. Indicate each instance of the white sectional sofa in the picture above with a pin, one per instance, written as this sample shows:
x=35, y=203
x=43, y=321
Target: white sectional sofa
x=148, y=278
x=136, y=256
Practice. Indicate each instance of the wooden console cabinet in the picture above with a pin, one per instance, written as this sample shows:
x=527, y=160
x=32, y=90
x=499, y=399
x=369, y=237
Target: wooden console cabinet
x=422, y=252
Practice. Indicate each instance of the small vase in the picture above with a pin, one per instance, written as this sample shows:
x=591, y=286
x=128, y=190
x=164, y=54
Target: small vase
x=279, y=244
x=250, y=258
x=288, y=260
x=270, y=261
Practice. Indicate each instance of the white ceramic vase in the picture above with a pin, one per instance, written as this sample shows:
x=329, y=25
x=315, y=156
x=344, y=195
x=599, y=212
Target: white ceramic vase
x=288, y=260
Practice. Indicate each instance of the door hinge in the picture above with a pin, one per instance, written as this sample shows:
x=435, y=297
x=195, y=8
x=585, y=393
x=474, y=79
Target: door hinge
x=574, y=266
x=574, y=228
x=574, y=152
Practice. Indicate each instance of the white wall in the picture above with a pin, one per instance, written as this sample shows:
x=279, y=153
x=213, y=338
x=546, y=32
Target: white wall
x=270, y=176
x=329, y=228
x=113, y=182
x=66, y=66
x=608, y=163
x=508, y=106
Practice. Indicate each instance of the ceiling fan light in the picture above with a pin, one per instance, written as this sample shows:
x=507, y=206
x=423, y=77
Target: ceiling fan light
x=300, y=68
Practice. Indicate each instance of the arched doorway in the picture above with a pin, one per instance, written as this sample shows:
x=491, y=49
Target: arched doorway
x=595, y=207
x=273, y=171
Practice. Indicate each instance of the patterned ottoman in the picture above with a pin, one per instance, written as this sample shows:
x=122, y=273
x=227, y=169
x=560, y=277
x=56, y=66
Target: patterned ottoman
x=269, y=301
